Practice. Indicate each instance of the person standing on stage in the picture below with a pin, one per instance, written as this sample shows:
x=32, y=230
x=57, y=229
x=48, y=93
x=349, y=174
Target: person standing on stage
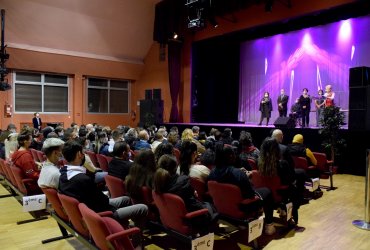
x=265, y=108
x=319, y=103
x=329, y=95
x=305, y=103
x=282, y=102
x=36, y=120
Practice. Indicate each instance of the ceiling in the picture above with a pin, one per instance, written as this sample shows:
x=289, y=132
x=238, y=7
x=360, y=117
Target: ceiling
x=120, y=30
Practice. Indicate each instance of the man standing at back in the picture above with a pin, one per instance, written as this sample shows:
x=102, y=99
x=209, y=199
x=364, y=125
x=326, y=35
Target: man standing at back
x=282, y=102
x=36, y=120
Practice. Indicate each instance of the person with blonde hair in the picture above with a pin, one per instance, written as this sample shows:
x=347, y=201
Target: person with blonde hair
x=329, y=95
x=188, y=134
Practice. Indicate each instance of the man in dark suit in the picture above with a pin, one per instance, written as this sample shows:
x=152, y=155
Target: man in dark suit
x=36, y=120
x=282, y=103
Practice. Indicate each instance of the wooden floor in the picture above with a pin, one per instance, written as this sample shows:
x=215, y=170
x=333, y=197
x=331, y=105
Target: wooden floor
x=327, y=224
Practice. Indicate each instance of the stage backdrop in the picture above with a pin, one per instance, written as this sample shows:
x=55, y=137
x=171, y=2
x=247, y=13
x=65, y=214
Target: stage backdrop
x=310, y=58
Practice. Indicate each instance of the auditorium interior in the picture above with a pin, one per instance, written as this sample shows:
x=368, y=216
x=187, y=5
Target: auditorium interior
x=156, y=64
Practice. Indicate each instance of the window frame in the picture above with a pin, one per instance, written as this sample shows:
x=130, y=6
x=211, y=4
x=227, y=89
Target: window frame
x=108, y=88
x=42, y=84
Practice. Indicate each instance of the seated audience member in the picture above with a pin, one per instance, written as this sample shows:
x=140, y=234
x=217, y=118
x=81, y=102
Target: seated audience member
x=37, y=140
x=225, y=172
x=4, y=135
x=117, y=135
x=226, y=136
x=23, y=159
x=102, y=145
x=300, y=174
x=270, y=164
x=10, y=145
x=173, y=138
x=49, y=175
x=131, y=137
x=187, y=135
x=163, y=149
x=94, y=171
x=59, y=131
x=188, y=160
x=208, y=157
x=202, y=137
x=297, y=148
x=45, y=131
x=158, y=139
x=74, y=182
x=167, y=181
x=141, y=174
x=195, y=130
x=120, y=165
x=247, y=149
x=143, y=141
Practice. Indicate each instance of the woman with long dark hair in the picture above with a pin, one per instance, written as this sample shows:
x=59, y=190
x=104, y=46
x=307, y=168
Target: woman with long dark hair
x=188, y=159
x=141, y=174
x=270, y=164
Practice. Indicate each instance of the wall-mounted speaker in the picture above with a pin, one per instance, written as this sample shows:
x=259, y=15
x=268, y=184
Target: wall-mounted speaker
x=148, y=94
x=359, y=77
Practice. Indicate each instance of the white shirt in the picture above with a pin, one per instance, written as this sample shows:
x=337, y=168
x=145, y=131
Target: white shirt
x=197, y=171
x=49, y=176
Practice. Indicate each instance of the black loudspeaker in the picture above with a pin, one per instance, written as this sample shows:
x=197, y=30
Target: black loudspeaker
x=359, y=108
x=148, y=94
x=151, y=112
x=284, y=122
x=359, y=77
x=157, y=95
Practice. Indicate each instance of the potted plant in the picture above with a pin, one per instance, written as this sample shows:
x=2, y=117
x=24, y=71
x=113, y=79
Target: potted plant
x=331, y=121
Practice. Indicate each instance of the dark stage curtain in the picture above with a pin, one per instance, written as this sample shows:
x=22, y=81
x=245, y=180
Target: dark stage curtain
x=174, y=74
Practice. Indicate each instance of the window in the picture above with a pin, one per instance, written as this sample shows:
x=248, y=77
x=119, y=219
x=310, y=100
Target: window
x=36, y=92
x=108, y=96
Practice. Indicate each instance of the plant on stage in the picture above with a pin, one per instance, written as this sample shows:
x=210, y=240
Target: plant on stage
x=331, y=121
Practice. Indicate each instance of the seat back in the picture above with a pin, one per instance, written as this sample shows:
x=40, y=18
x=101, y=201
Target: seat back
x=322, y=164
x=252, y=163
x=300, y=162
x=102, y=227
x=177, y=153
x=93, y=158
x=103, y=162
x=18, y=176
x=70, y=205
x=2, y=167
x=52, y=196
x=226, y=198
x=199, y=186
x=41, y=156
x=172, y=211
x=9, y=173
x=271, y=182
x=115, y=185
x=34, y=154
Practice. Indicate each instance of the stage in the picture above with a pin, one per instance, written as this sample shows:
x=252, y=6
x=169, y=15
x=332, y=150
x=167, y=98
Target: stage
x=351, y=160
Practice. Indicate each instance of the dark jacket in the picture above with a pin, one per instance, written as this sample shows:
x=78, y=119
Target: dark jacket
x=180, y=185
x=83, y=188
x=233, y=176
x=119, y=168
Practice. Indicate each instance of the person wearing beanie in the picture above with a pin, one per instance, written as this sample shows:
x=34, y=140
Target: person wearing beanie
x=297, y=148
x=49, y=175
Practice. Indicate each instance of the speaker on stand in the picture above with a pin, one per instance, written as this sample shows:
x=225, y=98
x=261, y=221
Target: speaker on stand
x=359, y=98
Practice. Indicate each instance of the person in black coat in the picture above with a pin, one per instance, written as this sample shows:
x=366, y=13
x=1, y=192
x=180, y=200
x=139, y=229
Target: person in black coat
x=305, y=104
x=282, y=102
x=265, y=108
x=120, y=165
x=36, y=120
